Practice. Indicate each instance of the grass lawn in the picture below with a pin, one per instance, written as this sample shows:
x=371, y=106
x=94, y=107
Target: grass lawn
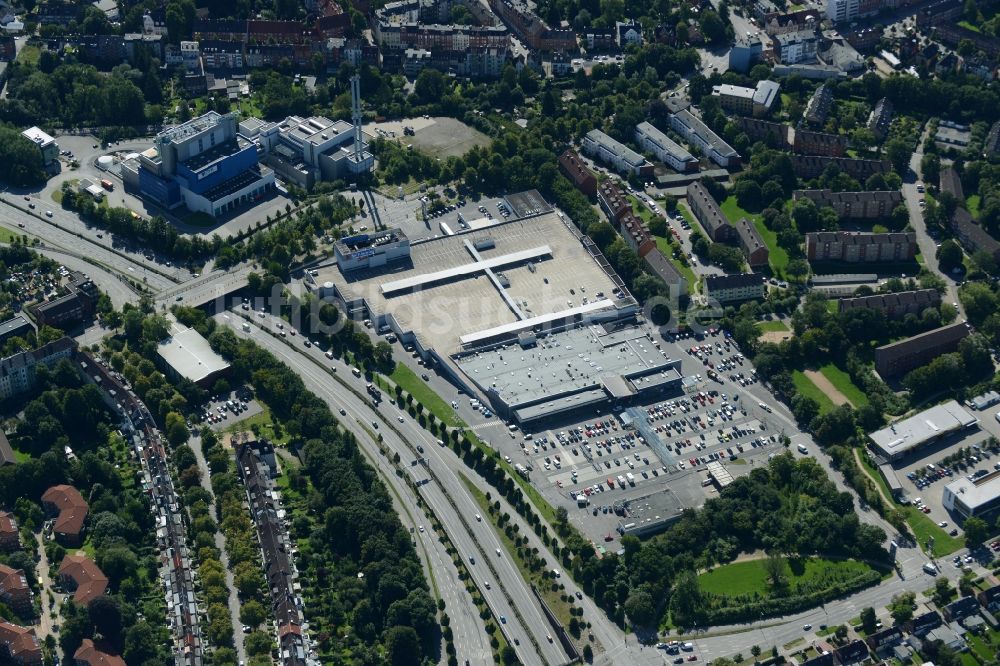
x=778, y=257
x=969, y=660
x=843, y=382
x=805, y=386
x=29, y=55
x=969, y=26
x=640, y=209
x=8, y=236
x=774, y=326
x=750, y=577
x=922, y=527
x=663, y=245
x=422, y=393
x=972, y=203
x=264, y=424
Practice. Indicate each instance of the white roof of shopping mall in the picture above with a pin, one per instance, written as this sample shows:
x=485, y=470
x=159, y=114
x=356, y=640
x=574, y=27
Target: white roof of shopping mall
x=567, y=369
x=479, y=281
x=919, y=429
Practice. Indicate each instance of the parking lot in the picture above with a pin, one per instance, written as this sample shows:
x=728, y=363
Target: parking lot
x=925, y=473
x=606, y=469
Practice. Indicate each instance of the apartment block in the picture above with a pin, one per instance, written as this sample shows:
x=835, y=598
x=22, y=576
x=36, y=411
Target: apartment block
x=753, y=246
x=70, y=510
x=775, y=135
x=734, y=288
x=82, y=577
x=17, y=372
x=841, y=11
x=748, y=101
x=10, y=536
x=637, y=235
x=819, y=106
x=19, y=645
x=811, y=166
x=795, y=46
x=582, y=177
x=819, y=143
x=896, y=305
x=664, y=269
x=706, y=210
x=868, y=205
x=880, y=118
x=620, y=157
x=15, y=592
x=666, y=149
x=857, y=247
x=900, y=357
x=613, y=202
x=708, y=142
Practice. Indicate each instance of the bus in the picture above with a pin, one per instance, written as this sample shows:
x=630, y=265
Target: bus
x=108, y=185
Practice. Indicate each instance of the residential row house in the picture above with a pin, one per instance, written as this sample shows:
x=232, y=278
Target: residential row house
x=970, y=234
x=859, y=247
x=811, y=166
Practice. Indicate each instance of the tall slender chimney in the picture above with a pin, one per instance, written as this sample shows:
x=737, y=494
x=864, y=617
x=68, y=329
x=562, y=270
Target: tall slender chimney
x=356, y=115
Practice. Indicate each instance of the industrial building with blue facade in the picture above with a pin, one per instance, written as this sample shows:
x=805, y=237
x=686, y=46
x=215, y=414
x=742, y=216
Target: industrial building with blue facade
x=204, y=165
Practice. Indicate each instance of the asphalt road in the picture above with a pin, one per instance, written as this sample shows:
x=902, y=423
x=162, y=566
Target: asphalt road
x=72, y=236
x=926, y=244
x=204, y=288
x=119, y=292
x=473, y=539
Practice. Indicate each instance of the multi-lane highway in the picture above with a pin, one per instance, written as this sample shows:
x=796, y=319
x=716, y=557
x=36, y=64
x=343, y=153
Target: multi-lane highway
x=68, y=233
x=508, y=596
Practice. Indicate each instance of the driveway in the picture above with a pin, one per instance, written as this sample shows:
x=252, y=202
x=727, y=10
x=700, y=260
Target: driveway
x=46, y=623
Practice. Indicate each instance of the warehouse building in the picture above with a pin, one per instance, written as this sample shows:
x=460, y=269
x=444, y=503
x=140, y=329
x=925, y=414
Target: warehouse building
x=906, y=436
x=979, y=497
x=186, y=354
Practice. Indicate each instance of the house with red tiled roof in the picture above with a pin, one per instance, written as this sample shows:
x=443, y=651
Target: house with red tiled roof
x=19, y=645
x=14, y=591
x=88, y=654
x=10, y=538
x=70, y=509
x=81, y=576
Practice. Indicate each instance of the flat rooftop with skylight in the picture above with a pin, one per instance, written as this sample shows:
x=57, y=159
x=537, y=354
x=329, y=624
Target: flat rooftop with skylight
x=464, y=290
x=904, y=437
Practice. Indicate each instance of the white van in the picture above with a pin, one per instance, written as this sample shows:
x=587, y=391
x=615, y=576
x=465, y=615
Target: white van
x=803, y=450
x=930, y=568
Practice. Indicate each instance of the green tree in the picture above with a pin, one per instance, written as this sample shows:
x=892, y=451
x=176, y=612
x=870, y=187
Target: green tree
x=942, y=591
x=949, y=255
x=868, y=620
x=898, y=152
x=402, y=645
x=976, y=531
x=901, y=607
x=640, y=608
x=252, y=613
